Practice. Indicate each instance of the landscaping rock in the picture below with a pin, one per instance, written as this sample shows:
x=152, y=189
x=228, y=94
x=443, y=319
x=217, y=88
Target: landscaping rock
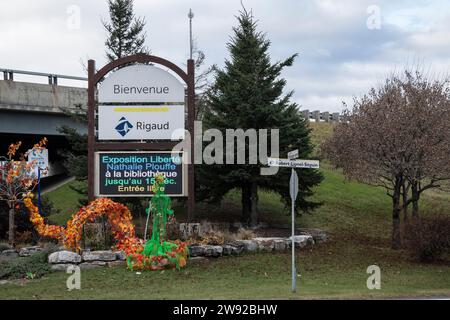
x=227, y=250
x=232, y=250
x=272, y=244
x=280, y=244
x=60, y=267
x=106, y=256
x=213, y=251
x=196, y=251
x=268, y=244
x=64, y=257
x=302, y=241
x=239, y=246
x=120, y=255
x=29, y=251
x=249, y=245
x=317, y=234
x=9, y=254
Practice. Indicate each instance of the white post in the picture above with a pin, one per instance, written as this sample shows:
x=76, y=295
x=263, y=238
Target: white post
x=146, y=223
x=294, y=275
x=293, y=190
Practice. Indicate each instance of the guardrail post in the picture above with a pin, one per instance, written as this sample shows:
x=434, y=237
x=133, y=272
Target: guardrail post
x=305, y=114
x=336, y=117
x=316, y=115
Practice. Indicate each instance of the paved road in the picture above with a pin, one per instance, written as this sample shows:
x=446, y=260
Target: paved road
x=55, y=184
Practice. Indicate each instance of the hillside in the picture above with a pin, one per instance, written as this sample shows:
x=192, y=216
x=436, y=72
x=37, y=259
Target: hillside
x=356, y=216
x=348, y=208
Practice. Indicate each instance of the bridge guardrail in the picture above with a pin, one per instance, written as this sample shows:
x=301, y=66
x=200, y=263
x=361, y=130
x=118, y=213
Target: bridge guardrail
x=8, y=74
x=321, y=116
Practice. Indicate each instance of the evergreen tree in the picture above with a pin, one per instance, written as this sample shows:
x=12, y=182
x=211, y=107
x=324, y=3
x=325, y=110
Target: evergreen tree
x=75, y=156
x=126, y=34
x=125, y=37
x=248, y=93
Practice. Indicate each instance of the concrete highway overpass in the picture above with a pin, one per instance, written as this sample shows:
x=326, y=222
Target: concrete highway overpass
x=31, y=111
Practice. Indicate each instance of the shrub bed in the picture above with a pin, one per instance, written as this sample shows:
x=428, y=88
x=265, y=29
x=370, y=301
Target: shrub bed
x=428, y=239
x=31, y=267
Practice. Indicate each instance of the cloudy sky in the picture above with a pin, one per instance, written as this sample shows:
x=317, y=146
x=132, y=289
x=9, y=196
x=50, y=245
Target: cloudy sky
x=345, y=46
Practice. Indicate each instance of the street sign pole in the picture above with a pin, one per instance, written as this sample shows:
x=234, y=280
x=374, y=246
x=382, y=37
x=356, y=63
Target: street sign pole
x=293, y=163
x=294, y=271
x=293, y=190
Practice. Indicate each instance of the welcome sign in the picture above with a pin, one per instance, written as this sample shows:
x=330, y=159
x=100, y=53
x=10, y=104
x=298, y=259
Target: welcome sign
x=141, y=84
x=162, y=122
x=131, y=174
x=141, y=102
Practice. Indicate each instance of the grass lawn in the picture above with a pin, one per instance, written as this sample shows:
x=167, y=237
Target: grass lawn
x=319, y=133
x=65, y=200
x=331, y=270
x=356, y=216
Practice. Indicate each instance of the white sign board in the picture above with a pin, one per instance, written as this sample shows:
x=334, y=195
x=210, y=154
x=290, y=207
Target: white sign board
x=141, y=84
x=301, y=164
x=40, y=159
x=293, y=155
x=163, y=122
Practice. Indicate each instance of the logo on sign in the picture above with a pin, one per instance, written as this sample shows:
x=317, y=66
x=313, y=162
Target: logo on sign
x=124, y=127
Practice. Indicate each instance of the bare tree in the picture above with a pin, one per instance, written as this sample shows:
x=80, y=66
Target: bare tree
x=429, y=116
x=396, y=136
